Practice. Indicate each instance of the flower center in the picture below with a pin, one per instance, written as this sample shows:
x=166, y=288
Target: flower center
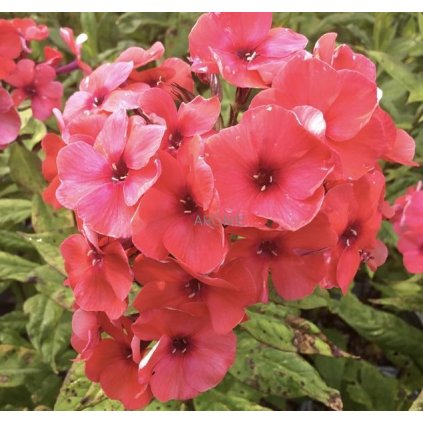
x=248, y=56
x=175, y=140
x=349, y=236
x=365, y=256
x=263, y=179
x=98, y=100
x=179, y=345
x=188, y=205
x=268, y=248
x=96, y=257
x=120, y=171
x=193, y=288
x=31, y=91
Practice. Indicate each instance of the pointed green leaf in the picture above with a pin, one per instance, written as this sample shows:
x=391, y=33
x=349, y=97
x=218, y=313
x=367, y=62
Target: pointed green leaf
x=280, y=373
x=25, y=168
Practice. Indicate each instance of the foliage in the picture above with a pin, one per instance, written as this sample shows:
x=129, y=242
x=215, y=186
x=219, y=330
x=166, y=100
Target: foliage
x=362, y=351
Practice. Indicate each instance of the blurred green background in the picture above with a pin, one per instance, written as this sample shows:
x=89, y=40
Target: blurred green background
x=364, y=350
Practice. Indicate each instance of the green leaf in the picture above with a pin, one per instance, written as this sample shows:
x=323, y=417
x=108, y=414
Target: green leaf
x=368, y=389
x=32, y=130
x=385, y=329
x=48, y=327
x=280, y=373
x=51, y=283
x=47, y=244
x=218, y=401
x=89, y=27
x=288, y=333
x=14, y=243
x=418, y=403
x=165, y=406
x=25, y=168
x=46, y=219
x=399, y=72
x=16, y=363
x=13, y=211
x=79, y=394
x=15, y=268
x=15, y=321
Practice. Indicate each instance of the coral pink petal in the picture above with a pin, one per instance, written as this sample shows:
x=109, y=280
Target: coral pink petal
x=281, y=42
x=10, y=124
x=347, y=267
x=353, y=107
x=143, y=142
x=235, y=70
x=104, y=210
x=325, y=47
x=81, y=170
x=111, y=140
x=210, y=361
x=403, y=149
x=151, y=222
x=289, y=213
x=139, y=181
x=141, y=57
x=199, y=246
x=198, y=116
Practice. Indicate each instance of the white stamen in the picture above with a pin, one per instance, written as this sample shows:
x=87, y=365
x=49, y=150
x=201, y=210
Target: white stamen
x=263, y=188
x=188, y=211
x=250, y=56
x=192, y=295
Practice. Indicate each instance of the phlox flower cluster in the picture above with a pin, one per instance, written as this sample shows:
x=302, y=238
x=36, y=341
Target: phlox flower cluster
x=24, y=77
x=184, y=219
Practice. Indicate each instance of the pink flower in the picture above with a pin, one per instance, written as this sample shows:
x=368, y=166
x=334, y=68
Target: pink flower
x=114, y=364
x=295, y=259
x=353, y=212
x=36, y=82
x=172, y=76
x=194, y=118
x=99, y=90
x=98, y=273
x=225, y=293
x=269, y=168
x=186, y=195
x=10, y=121
x=239, y=45
x=189, y=357
x=336, y=106
x=104, y=182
